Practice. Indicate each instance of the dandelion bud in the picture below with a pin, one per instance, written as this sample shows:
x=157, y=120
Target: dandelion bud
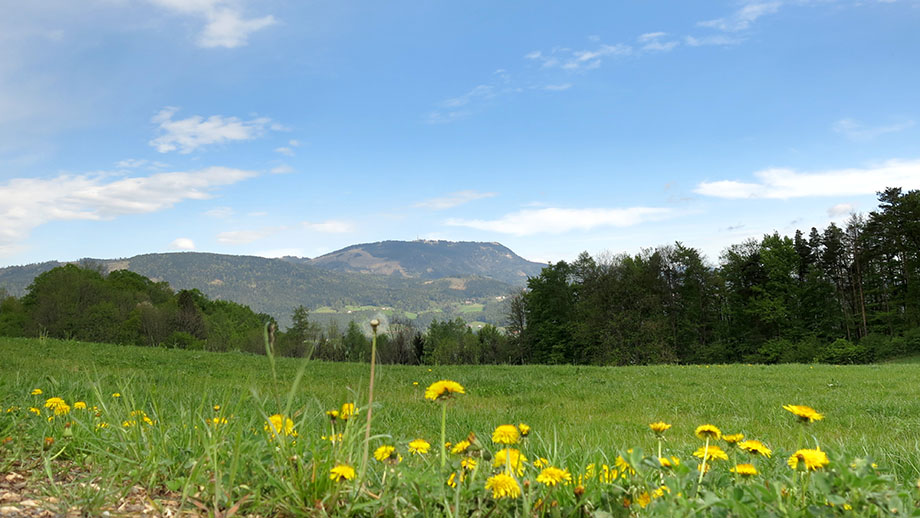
x=49, y=442
x=579, y=491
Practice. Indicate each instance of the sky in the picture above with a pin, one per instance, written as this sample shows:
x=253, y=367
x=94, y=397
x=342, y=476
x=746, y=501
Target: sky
x=300, y=127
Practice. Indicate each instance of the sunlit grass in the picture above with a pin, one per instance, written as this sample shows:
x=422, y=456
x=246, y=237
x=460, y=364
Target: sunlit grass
x=580, y=415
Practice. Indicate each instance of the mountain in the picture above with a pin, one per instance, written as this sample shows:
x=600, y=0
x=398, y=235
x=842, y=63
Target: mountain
x=432, y=260
x=430, y=279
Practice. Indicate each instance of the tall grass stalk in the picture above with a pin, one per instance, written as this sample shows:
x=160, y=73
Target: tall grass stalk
x=370, y=400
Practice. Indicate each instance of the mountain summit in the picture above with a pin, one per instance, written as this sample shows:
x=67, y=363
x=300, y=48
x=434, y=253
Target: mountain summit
x=428, y=259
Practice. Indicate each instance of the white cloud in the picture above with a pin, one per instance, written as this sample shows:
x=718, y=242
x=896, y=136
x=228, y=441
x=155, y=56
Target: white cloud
x=187, y=135
x=182, y=243
x=131, y=163
x=653, y=42
x=225, y=24
x=711, y=40
x=284, y=151
x=242, y=237
x=787, y=183
x=329, y=227
x=282, y=169
x=558, y=88
x=294, y=143
x=26, y=203
x=857, y=131
x=557, y=220
x=840, y=209
x=453, y=199
x=220, y=212
x=742, y=18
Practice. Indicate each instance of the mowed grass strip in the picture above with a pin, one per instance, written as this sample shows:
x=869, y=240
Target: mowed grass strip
x=869, y=410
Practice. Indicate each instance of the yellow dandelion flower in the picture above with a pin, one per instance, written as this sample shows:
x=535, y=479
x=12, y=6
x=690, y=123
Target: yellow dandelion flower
x=660, y=427
x=644, y=499
x=668, y=462
x=36, y=392
x=806, y=414
x=811, y=460
x=216, y=408
x=79, y=405
x=624, y=466
x=506, y=434
x=540, y=462
x=332, y=414
x=419, y=446
x=733, y=438
x=524, y=429
x=460, y=447
x=148, y=421
x=53, y=402
x=707, y=431
x=551, y=476
x=35, y=410
x=443, y=389
x=342, y=472
x=660, y=492
x=469, y=463
x=755, y=447
x=116, y=394
x=608, y=476
x=348, y=410
x=57, y=405
x=279, y=425
x=452, y=479
x=102, y=425
x=387, y=454
x=503, y=486
x=745, y=470
x=510, y=457
x=217, y=421
x=711, y=453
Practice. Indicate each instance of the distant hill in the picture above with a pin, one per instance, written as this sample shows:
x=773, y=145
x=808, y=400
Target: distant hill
x=432, y=260
x=436, y=277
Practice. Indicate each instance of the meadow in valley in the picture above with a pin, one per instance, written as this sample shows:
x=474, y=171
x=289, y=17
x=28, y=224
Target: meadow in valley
x=230, y=433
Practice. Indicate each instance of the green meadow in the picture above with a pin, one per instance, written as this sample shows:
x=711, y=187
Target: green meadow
x=578, y=415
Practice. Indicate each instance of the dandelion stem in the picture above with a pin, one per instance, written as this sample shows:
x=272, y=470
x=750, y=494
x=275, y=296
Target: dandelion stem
x=443, y=434
x=702, y=466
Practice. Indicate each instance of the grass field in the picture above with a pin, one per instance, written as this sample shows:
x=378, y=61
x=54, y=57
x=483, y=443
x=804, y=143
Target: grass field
x=578, y=415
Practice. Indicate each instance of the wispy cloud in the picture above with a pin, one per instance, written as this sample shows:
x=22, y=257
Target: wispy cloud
x=187, y=135
x=584, y=59
x=840, y=209
x=329, y=226
x=860, y=132
x=558, y=220
x=743, y=17
x=453, y=199
x=225, y=24
x=26, y=203
x=787, y=183
x=656, y=42
x=282, y=169
x=243, y=237
x=220, y=212
x=718, y=39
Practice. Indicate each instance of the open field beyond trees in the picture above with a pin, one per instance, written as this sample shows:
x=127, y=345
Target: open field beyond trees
x=189, y=428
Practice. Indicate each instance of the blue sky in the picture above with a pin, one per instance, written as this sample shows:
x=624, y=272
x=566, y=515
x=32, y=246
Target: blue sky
x=297, y=128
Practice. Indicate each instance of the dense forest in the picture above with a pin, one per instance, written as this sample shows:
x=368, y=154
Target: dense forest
x=846, y=294
x=841, y=295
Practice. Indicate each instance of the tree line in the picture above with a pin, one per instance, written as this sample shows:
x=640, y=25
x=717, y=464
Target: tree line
x=846, y=294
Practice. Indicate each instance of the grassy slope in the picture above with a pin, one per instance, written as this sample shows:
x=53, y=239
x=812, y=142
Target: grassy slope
x=869, y=409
